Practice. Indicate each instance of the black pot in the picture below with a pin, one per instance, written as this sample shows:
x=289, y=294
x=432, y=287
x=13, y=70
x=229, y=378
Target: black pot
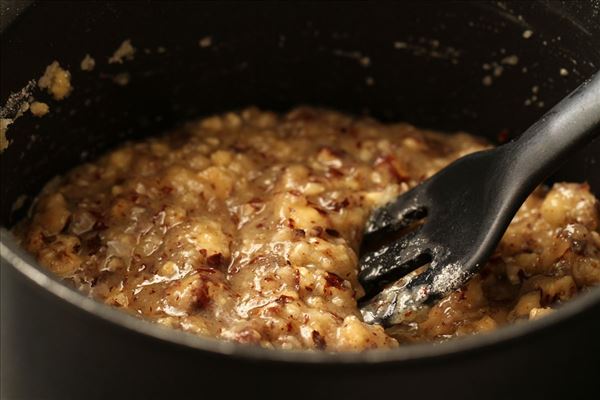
x=427, y=65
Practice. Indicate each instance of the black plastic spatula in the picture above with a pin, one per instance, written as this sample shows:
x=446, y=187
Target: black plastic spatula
x=467, y=207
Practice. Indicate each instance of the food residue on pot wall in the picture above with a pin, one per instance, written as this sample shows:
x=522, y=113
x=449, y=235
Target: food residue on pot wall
x=39, y=109
x=56, y=80
x=14, y=108
x=122, y=78
x=125, y=51
x=431, y=48
x=205, y=42
x=356, y=55
x=4, y=142
x=88, y=63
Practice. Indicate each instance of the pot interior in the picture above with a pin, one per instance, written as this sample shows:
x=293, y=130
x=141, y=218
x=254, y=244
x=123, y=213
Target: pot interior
x=487, y=68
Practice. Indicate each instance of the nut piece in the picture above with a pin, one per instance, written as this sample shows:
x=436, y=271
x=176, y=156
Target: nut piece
x=61, y=256
x=52, y=214
x=570, y=203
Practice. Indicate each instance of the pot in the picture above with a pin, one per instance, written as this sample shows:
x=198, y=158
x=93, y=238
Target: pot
x=490, y=68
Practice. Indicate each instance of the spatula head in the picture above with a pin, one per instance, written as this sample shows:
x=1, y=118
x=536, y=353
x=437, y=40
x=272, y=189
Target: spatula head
x=459, y=215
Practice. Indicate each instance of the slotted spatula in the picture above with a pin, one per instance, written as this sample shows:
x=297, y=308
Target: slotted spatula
x=467, y=207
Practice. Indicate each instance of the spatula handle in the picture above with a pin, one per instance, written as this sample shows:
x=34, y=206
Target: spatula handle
x=566, y=128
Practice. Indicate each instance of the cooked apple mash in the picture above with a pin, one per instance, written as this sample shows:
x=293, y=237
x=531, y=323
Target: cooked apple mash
x=246, y=227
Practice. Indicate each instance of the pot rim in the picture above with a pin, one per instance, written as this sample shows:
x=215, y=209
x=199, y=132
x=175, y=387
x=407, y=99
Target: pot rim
x=12, y=255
